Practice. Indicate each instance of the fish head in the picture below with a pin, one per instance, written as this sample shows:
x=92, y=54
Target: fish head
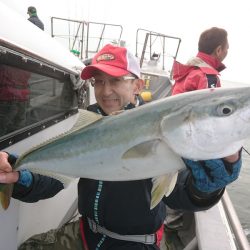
x=208, y=124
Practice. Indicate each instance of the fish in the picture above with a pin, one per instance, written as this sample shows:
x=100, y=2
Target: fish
x=148, y=141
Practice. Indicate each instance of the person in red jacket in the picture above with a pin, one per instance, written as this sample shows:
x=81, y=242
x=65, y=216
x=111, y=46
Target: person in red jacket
x=14, y=98
x=202, y=71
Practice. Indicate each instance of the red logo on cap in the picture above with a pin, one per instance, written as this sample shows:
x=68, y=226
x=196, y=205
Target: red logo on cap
x=105, y=57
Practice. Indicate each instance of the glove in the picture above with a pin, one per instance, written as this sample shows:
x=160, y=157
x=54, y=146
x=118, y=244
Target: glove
x=211, y=175
x=25, y=178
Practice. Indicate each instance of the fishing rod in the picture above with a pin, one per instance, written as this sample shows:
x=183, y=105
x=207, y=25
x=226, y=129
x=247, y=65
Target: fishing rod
x=245, y=150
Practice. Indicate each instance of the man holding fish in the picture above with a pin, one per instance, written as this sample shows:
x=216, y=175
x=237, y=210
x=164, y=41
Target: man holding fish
x=119, y=214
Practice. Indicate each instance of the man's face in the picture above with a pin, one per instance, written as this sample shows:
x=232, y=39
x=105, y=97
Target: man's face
x=113, y=93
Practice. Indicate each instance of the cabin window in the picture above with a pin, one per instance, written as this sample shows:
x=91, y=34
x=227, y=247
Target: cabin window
x=28, y=99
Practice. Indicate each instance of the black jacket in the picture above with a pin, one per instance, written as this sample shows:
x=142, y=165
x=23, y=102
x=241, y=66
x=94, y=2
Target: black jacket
x=35, y=20
x=122, y=207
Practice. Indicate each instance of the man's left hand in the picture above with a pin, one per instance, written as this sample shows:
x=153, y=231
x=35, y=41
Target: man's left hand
x=211, y=175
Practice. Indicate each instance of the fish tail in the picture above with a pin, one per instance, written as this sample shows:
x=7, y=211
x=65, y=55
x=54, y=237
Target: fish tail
x=5, y=194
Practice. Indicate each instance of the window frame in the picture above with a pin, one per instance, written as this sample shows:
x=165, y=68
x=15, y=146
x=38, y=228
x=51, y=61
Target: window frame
x=23, y=61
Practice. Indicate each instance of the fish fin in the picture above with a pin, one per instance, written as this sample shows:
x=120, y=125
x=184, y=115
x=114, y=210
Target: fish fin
x=84, y=119
x=5, y=195
x=162, y=186
x=142, y=150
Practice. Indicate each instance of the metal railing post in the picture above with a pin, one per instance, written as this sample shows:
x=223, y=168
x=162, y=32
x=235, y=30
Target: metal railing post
x=241, y=239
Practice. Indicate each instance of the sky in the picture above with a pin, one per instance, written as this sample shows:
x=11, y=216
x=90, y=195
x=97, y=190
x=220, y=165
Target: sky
x=179, y=18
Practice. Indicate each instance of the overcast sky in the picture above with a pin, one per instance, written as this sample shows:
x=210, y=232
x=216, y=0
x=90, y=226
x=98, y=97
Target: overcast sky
x=180, y=18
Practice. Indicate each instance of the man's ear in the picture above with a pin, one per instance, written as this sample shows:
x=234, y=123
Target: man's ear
x=139, y=85
x=217, y=51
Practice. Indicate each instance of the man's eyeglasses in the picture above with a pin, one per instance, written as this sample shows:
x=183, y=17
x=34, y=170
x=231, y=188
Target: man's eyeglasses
x=115, y=81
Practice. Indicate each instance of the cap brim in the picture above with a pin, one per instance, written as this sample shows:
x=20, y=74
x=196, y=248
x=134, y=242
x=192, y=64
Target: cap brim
x=89, y=71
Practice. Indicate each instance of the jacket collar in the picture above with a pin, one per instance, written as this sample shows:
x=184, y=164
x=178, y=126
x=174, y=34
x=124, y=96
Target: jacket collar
x=212, y=61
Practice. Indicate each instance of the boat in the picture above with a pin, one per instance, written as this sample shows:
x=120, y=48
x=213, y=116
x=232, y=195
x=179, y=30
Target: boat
x=52, y=108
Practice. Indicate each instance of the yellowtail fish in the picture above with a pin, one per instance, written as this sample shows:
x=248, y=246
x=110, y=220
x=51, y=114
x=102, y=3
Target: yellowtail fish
x=149, y=141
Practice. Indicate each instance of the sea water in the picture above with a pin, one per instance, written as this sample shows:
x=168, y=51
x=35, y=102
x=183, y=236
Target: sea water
x=239, y=192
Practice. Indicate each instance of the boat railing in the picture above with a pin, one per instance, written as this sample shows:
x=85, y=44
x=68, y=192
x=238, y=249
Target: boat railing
x=236, y=227
x=158, y=47
x=85, y=38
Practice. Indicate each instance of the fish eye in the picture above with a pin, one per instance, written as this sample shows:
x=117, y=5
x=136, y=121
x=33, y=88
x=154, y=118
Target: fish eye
x=224, y=110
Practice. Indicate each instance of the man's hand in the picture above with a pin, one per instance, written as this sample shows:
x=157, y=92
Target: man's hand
x=7, y=175
x=211, y=175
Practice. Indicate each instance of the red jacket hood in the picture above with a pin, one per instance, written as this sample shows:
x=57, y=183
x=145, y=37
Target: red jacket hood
x=181, y=70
